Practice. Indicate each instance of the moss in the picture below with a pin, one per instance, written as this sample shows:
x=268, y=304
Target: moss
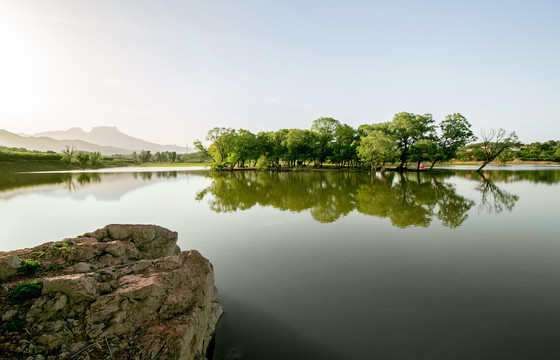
x=26, y=291
x=15, y=324
x=37, y=254
x=62, y=246
x=29, y=267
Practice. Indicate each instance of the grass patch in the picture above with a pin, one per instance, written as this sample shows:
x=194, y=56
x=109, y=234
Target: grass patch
x=183, y=164
x=16, y=324
x=29, y=267
x=62, y=246
x=26, y=291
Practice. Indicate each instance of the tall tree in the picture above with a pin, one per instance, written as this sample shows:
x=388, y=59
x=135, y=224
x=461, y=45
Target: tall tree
x=221, y=144
x=455, y=133
x=377, y=148
x=407, y=129
x=494, y=142
x=325, y=129
x=83, y=159
x=68, y=153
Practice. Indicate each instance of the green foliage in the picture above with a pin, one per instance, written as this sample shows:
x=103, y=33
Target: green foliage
x=263, y=163
x=145, y=156
x=377, y=148
x=20, y=154
x=95, y=158
x=17, y=324
x=62, y=246
x=83, y=159
x=37, y=254
x=407, y=129
x=68, y=154
x=29, y=267
x=26, y=291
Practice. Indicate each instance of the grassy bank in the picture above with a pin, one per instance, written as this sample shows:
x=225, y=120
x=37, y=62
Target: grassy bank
x=178, y=164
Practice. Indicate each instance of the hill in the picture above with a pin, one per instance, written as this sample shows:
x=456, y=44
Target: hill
x=110, y=136
x=44, y=143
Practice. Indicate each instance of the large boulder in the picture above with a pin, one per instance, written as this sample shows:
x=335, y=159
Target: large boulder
x=120, y=292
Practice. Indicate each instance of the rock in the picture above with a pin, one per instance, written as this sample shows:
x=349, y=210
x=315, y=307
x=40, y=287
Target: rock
x=130, y=294
x=9, y=266
x=80, y=267
x=9, y=315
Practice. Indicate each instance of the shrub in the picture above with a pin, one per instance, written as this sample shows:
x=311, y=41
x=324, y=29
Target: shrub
x=16, y=324
x=29, y=267
x=263, y=163
x=65, y=245
x=26, y=291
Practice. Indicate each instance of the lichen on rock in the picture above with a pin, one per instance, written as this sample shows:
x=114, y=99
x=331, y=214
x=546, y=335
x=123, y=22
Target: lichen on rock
x=120, y=292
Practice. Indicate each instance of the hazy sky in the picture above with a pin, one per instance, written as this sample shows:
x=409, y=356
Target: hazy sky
x=167, y=71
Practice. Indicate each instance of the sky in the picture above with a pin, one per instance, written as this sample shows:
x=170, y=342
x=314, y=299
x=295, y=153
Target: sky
x=168, y=71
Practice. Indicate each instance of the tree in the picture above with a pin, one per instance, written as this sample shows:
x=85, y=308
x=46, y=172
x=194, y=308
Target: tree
x=135, y=157
x=346, y=140
x=455, y=133
x=325, y=129
x=68, y=153
x=95, y=158
x=377, y=148
x=221, y=145
x=407, y=129
x=145, y=156
x=83, y=159
x=244, y=147
x=173, y=156
x=424, y=150
x=494, y=142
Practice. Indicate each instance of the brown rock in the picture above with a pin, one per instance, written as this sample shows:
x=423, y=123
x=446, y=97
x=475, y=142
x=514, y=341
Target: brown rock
x=130, y=285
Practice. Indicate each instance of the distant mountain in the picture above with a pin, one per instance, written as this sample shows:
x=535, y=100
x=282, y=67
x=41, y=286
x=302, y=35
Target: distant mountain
x=110, y=136
x=43, y=143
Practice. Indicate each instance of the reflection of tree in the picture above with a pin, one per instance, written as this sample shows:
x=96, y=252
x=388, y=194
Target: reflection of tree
x=494, y=199
x=453, y=208
x=406, y=199
x=546, y=176
x=88, y=178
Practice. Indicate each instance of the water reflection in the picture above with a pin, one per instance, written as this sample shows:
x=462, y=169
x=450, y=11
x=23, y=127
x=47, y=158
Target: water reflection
x=409, y=199
x=494, y=199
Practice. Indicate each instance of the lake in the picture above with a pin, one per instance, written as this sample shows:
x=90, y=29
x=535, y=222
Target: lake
x=339, y=265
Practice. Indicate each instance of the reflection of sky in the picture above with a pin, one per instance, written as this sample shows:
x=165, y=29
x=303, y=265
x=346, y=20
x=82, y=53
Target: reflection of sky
x=112, y=184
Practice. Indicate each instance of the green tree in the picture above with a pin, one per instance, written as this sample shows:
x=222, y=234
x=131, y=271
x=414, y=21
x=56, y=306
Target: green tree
x=346, y=140
x=95, y=158
x=407, y=129
x=325, y=129
x=377, y=148
x=221, y=145
x=135, y=157
x=68, y=153
x=455, y=133
x=424, y=150
x=83, y=159
x=244, y=147
x=145, y=156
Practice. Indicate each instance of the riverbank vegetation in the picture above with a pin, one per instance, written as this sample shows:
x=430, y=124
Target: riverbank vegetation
x=24, y=160
x=407, y=139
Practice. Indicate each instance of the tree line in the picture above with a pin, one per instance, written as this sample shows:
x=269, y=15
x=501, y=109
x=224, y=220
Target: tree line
x=407, y=139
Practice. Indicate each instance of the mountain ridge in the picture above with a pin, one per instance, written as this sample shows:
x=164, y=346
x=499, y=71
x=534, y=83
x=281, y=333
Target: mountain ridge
x=44, y=143
x=109, y=136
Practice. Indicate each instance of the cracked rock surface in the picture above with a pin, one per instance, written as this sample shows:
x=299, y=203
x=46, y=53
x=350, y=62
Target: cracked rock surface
x=120, y=292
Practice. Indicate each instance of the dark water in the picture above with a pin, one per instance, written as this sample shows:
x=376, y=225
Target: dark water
x=452, y=265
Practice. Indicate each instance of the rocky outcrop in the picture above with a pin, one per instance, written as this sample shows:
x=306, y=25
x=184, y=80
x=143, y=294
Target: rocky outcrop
x=121, y=292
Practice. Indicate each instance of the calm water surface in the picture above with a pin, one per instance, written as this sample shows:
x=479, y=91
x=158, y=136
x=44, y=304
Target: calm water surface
x=452, y=265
